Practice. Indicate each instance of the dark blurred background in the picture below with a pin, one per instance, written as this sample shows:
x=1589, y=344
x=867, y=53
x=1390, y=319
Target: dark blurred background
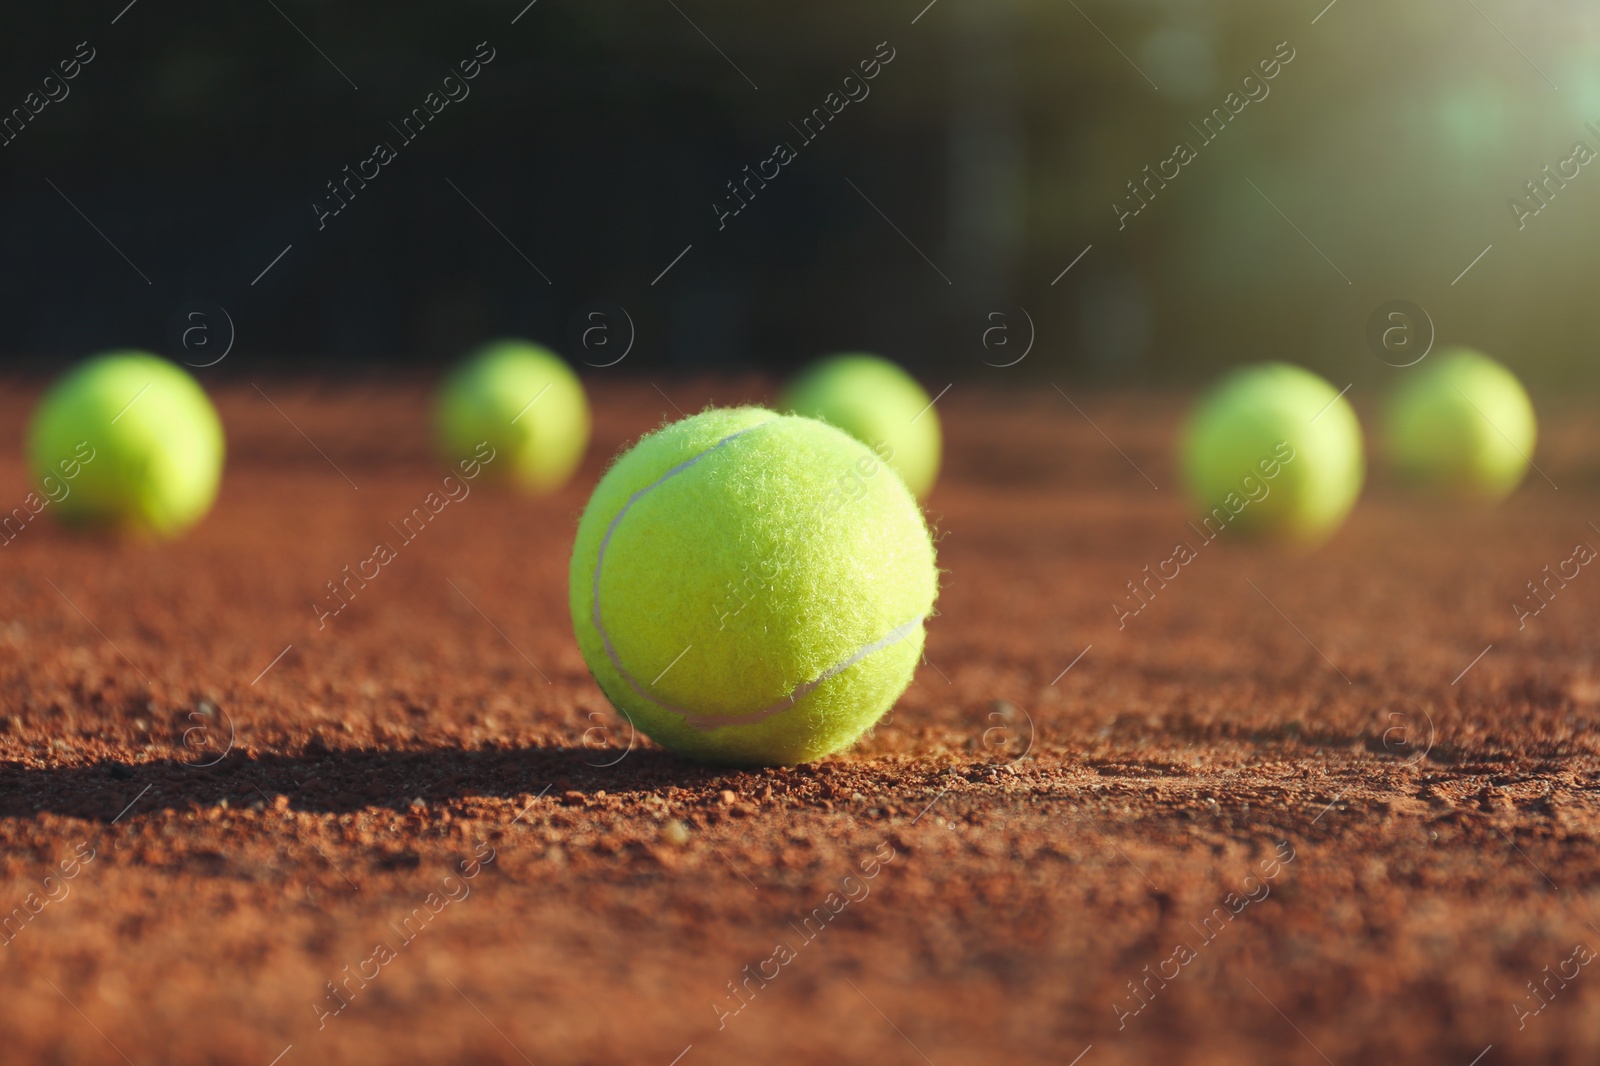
x=988, y=156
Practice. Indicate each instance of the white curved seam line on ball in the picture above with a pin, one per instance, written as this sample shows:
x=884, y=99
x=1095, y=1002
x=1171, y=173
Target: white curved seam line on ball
x=600, y=558
x=707, y=722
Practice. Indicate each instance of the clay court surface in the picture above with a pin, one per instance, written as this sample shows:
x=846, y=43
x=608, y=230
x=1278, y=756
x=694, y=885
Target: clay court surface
x=1290, y=787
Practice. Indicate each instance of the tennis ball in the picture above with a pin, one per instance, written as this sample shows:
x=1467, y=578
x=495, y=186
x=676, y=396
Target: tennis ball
x=1463, y=425
x=1273, y=450
x=526, y=403
x=127, y=441
x=750, y=588
x=878, y=404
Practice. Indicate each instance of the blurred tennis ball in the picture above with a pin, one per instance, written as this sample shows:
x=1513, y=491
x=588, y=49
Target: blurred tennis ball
x=131, y=442
x=1273, y=450
x=880, y=405
x=526, y=403
x=750, y=588
x=1462, y=425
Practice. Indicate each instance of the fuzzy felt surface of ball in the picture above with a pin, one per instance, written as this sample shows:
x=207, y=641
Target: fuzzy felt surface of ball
x=880, y=405
x=751, y=588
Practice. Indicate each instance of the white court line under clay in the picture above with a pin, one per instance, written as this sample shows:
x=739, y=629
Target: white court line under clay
x=707, y=722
